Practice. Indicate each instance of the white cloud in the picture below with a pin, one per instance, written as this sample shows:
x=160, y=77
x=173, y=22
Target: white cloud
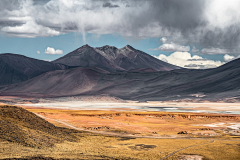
x=228, y=58
x=186, y=60
x=30, y=30
x=163, y=40
x=173, y=47
x=50, y=50
x=38, y=52
x=214, y=51
x=221, y=14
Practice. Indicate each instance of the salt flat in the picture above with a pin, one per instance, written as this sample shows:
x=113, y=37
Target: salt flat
x=226, y=108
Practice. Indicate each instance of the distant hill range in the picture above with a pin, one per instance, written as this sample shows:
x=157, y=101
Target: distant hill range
x=126, y=73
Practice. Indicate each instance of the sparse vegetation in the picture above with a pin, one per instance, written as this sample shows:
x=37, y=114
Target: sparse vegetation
x=21, y=126
x=36, y=138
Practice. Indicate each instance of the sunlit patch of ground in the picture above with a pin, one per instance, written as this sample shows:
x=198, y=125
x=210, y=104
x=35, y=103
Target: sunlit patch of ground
x=127, y=133
x=156, y=124
x=105, y=147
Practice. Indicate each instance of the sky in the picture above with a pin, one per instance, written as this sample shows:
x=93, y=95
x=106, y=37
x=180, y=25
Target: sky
x=192, y=34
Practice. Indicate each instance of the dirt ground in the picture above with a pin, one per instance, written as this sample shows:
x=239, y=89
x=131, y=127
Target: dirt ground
x=126, y=133
x=156, y=124
x=94, y=146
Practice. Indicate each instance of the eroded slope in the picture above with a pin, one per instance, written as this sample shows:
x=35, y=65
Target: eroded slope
x=23, y=127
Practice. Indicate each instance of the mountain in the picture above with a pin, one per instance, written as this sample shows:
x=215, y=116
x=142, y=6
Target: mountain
x=67, y=82
x=87, y=56
x=130, y=58
x=126, y=73
x=217, y=83
x=113, y=59
x=17, y=68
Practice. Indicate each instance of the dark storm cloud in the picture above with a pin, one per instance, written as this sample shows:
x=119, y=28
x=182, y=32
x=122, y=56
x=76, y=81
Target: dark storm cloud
x=183, y=15
x=8, y=19
x=228, y=38
x=184, y=22
x=110, y=5
x=4, y=23
x=40, y=2
x=189, y=18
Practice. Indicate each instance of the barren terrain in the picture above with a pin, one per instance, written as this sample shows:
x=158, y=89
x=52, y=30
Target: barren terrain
x=101, y=128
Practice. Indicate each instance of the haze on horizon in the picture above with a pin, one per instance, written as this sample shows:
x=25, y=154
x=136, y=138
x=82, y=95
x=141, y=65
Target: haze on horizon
x=191, y=34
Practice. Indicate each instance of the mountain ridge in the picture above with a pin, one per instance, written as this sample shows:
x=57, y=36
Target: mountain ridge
x=213, y=84
x=120, y=76
x=113, y=59
x=16, y=68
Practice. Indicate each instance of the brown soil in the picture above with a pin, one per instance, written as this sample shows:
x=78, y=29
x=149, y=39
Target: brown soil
x=148, y=123
x=23, y=135
x=21, y=126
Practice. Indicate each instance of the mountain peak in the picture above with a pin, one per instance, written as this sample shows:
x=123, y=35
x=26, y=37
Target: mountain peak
x=86, y=45
x=128, y=47
x=107, y=47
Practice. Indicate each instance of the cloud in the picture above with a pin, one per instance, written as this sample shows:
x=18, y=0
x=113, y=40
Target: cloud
x=163, y=40
x=186, y=60
x=50, y=50
x=214, y=51
x=30, y=30
x=173, y=47
x=110, y=5
x=194, y=49
x=60, y=16
x=208, y=23
x=38, y=52
x=227, y=58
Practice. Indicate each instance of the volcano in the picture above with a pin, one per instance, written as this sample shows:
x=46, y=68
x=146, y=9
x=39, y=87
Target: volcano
x=113, y=59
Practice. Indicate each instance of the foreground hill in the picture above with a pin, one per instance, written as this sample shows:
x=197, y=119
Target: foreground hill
x=113, y=59
x=21, y=126
x=211, y=84
x=17, y=68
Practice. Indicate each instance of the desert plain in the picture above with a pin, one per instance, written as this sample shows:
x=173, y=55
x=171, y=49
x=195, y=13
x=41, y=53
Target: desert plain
x=110, y=128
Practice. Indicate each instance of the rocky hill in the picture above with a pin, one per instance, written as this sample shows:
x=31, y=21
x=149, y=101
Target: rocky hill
x=21, y=126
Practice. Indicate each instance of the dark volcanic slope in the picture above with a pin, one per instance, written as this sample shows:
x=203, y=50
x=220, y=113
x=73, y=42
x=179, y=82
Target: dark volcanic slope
x=221, y=82
x=87, y=56
x=113, y=59
x=58, y=83
x=130, y=58
x=17, y=68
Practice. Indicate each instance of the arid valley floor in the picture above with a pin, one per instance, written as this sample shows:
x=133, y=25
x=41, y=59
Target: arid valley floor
x=108, y=128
